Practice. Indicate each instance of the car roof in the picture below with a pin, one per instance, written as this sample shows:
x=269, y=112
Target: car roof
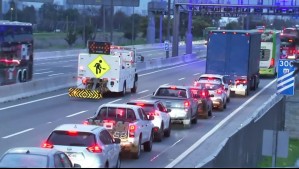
x=150, y=101
x=211, y=75
x=79, y=128
x=127, y=106
x=32, y=150
x=176, y=86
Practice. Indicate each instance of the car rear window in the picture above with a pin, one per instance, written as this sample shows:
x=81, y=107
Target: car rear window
x=172, y=92
x=117, y=114
x=210, y=86
x=14, y=160
x=148, y=108
x=69, y=138
x=210, y=79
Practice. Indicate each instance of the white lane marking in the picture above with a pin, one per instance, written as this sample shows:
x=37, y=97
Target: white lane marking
x=144, y=96
x=75, y=114
x=47, y=98
x=34, y=101
x=115, y=101
x=18, y=133
x=219, y=125
x=56, y=74
x=169, y=68
x=196, y=74
x=181, y=79
x=142, y=91
x=68, y=66
x=166, y=149
x=42, y=69
x=43, y=72
x=49, y=122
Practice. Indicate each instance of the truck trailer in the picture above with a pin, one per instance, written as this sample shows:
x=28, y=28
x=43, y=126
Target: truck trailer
x=236, y=55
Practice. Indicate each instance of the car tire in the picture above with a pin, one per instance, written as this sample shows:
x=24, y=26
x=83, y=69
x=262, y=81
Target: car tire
x=210, y=113
x=160, y=134
x=147, y=146
x=136, y=155
x=134, y=89
x=168, y=131
x=221, y=107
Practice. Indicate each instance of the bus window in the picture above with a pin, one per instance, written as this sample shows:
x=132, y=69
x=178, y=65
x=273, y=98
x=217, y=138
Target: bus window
x=265, y=54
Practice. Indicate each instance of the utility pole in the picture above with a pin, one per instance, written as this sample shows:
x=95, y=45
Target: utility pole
x=104, y=22
x=168, y=26
x=111, y=14
x=133, y=26
x=161, y=26
x=189, y=31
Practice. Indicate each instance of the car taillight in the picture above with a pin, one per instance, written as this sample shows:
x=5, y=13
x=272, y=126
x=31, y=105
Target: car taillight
x=272, y=63
x=203, y=94
x=94, y=149
x=186, y=104
x=47, y=145
x=240, y=81
x=86, y=122
x=132, y=130
x=219, y=91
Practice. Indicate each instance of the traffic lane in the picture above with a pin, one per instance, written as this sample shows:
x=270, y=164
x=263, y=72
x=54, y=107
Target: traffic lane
x=162, y=154
x=60, y=105
x=211, y=144
x=42, y=129
x=185, y=138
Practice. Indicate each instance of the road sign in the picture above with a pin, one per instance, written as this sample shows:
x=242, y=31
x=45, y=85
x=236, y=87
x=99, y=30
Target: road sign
x=166, y=45
x=99, y=67
x=285, y=78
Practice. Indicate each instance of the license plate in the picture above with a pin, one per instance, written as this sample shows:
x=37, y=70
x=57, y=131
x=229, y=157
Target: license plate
x=77, y=156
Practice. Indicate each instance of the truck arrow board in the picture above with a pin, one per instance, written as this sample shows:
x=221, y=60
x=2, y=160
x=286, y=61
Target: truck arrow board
x=99, y=66
x=285, y=78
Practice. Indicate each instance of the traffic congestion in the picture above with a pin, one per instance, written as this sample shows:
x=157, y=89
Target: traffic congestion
x=132, y=127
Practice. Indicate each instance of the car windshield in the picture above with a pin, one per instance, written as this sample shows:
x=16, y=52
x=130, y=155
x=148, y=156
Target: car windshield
x=14, y=160
x=210, y=86
x=70, y=138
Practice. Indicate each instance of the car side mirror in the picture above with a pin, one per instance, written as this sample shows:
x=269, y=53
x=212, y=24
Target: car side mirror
x=77, y=165
x=151, y=118
x=211, y=95
x=168, y=110
x=117, y=140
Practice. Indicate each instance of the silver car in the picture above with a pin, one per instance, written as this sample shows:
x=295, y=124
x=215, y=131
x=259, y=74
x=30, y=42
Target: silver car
x=87, y=145
x=35, y=157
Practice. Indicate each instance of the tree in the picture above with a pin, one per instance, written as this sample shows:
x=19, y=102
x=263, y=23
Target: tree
x=232, y=26
x=199, y=24
x=28, y=15
x=71, y=37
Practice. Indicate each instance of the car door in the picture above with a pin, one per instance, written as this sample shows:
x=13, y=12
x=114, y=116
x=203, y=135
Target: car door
x=143, y=125
x=148, y=124
x=108, y=149
x=193, y=103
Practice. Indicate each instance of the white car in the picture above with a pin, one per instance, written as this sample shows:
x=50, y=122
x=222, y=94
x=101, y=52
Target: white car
x=217, y=92
x=128, y=123
x=87, y=145
x=219, y=79
x=161, y=121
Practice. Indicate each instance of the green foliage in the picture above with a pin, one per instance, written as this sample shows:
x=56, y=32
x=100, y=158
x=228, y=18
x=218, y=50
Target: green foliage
x=199, y=24
x=233, y=26
x=284, y=162
x=71, y=37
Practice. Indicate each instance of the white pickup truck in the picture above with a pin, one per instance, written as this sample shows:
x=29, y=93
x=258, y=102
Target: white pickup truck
x=129, y=123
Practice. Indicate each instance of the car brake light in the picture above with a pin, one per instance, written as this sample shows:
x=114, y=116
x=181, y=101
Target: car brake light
x=186, y=104
x=172, y=87
x=86, y=122
x=272, y=63
x=156, y=113
x=140, y=104
x=72, y=133
x=94, y=149
x=47, y=145
x=132, y=130
x=219, y=91
x=203, y=94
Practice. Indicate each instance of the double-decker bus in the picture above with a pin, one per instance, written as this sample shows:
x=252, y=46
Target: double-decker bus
x=16, y=52
x=269, y=53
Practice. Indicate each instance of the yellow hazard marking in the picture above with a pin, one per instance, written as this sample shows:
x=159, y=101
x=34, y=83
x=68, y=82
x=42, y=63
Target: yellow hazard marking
x=99, y=67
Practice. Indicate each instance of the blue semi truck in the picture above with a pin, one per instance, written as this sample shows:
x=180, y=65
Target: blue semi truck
x=236, y=55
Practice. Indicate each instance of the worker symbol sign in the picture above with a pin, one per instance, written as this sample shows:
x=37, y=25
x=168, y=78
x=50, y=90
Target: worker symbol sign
x=99, y=67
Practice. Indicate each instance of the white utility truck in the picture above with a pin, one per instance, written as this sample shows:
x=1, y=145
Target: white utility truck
x=105, y=68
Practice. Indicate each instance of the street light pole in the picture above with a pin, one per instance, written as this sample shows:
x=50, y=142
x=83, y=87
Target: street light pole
x=168, y=26
x=133, y=25
x=111, y=24
x=11, y=11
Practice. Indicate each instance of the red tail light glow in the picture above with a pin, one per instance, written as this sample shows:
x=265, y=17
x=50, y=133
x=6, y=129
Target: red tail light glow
x=94, y=149
x=132, y=130
x=272, y=63
x=219, y=91
x=140, y=104
x=85, y=122
x=72, y=133
x=156, y=113
x=47, y=145
x=186, y=103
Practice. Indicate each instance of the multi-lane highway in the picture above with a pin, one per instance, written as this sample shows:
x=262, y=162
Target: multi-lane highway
x=28, y=122
x=55, y=66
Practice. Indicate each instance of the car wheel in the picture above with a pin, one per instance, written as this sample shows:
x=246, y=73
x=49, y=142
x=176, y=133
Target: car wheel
x=134, y=89
x=149, y=144
x=136, y=155
x=118, y=164
x=160, y=134
x=168, y=131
